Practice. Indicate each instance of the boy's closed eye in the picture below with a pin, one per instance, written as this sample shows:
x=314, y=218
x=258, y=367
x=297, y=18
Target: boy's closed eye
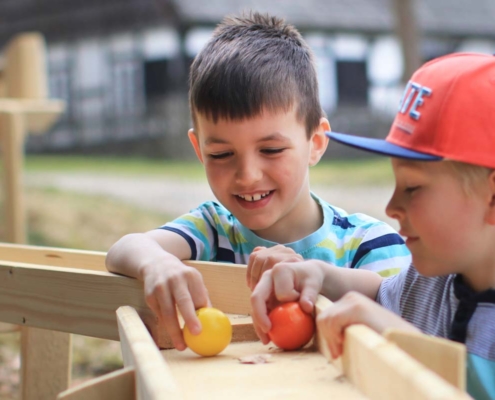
x=220, y=156
x=271, y=151
x=411, y=189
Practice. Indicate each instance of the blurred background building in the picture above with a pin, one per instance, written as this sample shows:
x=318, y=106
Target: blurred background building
x=122, y=65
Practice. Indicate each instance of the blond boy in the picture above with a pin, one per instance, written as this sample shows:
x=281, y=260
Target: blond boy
x=443, y=147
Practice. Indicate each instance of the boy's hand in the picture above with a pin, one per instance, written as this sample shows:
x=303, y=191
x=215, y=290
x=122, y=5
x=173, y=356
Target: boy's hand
x=285, y=282
x=168, y=286
x=355, y=308
x=263, y=259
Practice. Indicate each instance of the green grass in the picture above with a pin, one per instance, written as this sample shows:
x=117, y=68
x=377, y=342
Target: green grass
x=370, y=171
x=115, y=165
x=366, y=172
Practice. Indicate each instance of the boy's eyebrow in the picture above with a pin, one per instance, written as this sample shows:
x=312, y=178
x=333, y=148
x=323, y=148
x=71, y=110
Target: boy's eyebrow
x=213, y=140
x=273, y=136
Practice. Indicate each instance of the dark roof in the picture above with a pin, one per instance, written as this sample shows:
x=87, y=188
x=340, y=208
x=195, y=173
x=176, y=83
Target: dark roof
x=72, y=19
x=442, y=17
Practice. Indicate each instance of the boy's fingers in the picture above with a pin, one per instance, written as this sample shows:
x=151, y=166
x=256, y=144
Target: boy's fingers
x=309, y=294
x=169, y=317
x=198, y=291
x=262, y=335
x=254, y=273
x=186, y=307
x=283, y=283
x=259, y=298
x=335, y=319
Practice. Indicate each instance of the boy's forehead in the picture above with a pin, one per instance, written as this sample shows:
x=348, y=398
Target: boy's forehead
x=402, y=165
x=266, y=120
x=413, y=165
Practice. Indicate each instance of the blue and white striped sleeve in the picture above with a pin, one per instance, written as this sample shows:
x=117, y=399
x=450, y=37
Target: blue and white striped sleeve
x=382, y=250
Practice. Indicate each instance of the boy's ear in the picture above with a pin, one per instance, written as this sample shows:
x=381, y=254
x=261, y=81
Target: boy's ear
x=319, y=142
x=491, y=209
x=193, y=138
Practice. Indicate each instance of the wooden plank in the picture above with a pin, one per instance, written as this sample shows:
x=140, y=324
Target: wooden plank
x=153, y=377
x=80, y=301
x=67, y=300
x=12, y=147
x=445, y=357
x=301, y=374
x=45, y=363
x=115, y=385
x=381, y=370
x=53, y=256
x=39, y=114
x=225, y=282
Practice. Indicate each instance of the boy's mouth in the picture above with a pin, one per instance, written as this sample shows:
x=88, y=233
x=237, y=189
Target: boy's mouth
x=254, y=197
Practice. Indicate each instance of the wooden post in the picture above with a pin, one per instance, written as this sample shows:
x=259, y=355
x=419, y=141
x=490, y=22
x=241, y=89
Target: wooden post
x=12, y=146
x=45, y=355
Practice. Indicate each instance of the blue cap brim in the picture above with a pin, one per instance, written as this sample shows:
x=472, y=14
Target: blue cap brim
x=380, y=146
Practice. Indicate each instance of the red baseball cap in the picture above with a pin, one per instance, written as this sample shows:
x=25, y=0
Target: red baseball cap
x=447, y=111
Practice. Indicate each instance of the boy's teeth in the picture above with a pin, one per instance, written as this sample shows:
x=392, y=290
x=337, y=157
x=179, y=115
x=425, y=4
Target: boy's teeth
x=254, y=197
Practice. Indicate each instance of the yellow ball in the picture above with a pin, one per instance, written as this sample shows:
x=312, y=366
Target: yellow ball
x=215, y=335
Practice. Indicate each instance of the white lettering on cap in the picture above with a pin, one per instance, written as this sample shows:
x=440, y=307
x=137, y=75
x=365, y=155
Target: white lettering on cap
x=417, y=92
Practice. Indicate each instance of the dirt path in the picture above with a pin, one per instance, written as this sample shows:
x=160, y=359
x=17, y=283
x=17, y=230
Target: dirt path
x=176, y=197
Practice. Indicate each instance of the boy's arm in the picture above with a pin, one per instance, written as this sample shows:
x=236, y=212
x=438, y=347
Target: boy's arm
x=354, y=308
x=155, y=259
x=303, y=281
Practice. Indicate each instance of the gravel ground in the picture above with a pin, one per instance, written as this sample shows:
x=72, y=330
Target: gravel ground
x=176, y=197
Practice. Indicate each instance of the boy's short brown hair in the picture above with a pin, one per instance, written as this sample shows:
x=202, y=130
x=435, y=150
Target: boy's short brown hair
x=251, y=64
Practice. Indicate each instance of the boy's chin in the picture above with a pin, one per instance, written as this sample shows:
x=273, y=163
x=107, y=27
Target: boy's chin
x=427, y=268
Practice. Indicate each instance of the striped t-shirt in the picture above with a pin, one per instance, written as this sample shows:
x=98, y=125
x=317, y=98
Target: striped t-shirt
x=445, y=306
x=349, y=241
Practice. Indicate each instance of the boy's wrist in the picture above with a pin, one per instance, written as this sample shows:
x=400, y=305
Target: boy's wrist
x=329, y=275
x=162, y=261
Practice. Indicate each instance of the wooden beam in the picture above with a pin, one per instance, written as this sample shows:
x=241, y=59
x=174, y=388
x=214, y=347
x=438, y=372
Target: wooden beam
x=39, y=114
x=381, y=370
x=321, y=304
x=115, y=385
x=225, y=282
x=442, y=356
x=45, y=363
x=84, y=301
x=53, y=256
x=12, y=147
x=67, y=300
x=153, y=377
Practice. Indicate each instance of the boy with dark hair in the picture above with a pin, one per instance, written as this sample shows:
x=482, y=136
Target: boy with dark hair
x=443, y=147
x=258, y=126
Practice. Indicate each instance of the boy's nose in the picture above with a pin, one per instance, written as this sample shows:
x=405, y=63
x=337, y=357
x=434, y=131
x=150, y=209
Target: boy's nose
x=393, y=209
x=248, y=172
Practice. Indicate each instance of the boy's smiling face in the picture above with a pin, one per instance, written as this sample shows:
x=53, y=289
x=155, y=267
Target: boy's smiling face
x=258, y=169
x=445, y=227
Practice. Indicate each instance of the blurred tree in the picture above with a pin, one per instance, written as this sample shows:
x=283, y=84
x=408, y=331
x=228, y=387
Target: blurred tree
x=407, y=30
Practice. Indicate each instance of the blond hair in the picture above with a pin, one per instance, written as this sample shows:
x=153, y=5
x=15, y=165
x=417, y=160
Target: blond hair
x=470, y=175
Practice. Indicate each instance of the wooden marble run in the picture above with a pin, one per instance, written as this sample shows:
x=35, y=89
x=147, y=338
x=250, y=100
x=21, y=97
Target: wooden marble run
x=71, y=291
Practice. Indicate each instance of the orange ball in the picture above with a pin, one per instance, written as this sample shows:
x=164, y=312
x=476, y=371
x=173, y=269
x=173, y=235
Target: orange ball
x=292, y=328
